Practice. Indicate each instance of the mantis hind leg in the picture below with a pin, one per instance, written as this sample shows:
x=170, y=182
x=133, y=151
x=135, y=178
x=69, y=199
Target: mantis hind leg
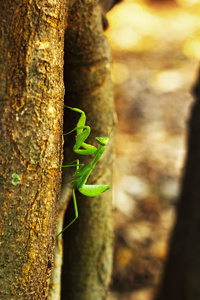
x=76, y=214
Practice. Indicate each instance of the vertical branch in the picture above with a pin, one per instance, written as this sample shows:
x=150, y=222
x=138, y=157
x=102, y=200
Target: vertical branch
x=88, y=242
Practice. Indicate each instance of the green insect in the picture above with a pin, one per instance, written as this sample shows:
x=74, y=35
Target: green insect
x=82, y=173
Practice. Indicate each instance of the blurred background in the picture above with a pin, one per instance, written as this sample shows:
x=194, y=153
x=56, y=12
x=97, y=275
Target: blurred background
x=155, y=50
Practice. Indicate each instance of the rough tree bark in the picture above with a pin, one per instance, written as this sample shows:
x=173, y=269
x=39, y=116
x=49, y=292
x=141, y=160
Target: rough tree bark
x=31, y=95
x=88, y=242
x=182, y=273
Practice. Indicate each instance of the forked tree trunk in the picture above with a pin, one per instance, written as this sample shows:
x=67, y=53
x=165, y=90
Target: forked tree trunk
x=181, y=280
x=31, y=95
x=88, y=242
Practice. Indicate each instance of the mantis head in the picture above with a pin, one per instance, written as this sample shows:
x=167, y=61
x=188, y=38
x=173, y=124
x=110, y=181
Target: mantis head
x=103, y=140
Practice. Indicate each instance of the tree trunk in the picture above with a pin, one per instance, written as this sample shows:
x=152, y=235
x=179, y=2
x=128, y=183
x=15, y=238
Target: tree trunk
x=182, y=273
x=31, y=93
x=88, y=242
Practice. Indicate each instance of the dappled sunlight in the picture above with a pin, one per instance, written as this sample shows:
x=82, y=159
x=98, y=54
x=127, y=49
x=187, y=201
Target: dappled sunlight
x=128, y=32
x=187, y=3
x=156, y=50
x=191, y=48
x=173, y=78
x=137, y=27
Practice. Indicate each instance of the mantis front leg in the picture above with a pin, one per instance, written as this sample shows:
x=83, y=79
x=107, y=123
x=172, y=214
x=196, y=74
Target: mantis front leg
x=83, y=172
x=83, y=131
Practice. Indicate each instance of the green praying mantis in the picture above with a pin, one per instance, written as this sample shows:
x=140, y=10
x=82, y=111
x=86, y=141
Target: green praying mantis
x=83, y=172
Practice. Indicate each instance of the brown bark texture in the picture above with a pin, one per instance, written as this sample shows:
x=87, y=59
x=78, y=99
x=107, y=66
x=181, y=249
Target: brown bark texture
x=182, y=273
x=88, y=242
x=31, y=95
